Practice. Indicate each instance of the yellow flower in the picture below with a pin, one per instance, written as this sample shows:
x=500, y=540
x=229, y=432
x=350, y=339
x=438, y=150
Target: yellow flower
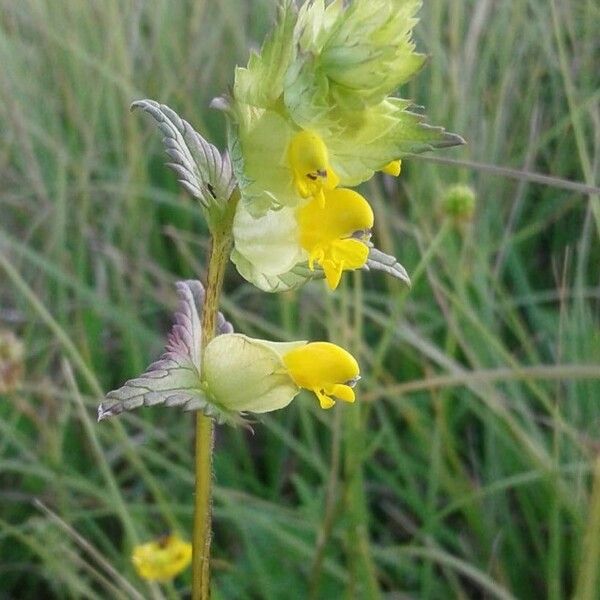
x=162, y=559
x=325, y=369
x=244, y=374
x=327, y=230
x=309, y=160
x=393, y=168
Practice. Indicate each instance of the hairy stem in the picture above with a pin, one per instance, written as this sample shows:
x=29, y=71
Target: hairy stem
x=332, y=499
x=202, y=535
x=363, y=581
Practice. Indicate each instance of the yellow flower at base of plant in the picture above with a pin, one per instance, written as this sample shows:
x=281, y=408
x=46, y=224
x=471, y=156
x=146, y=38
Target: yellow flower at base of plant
x=162, y=559
x=309, y=160
x=393, y=168
x=325, y=369
x=326, y=232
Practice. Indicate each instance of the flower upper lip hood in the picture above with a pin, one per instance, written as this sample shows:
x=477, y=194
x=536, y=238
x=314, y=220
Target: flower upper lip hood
x=334, y=232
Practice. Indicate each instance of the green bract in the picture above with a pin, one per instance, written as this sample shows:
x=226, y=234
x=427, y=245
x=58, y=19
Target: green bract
x=331, y=72
x=174, y=380
x=202, y=170
x=357, y=56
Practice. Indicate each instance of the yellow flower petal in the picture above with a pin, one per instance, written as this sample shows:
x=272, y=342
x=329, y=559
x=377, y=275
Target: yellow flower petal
x=325, y=369
x=333, y=273
x=162, y=559
x=324, y=400
x=326, y=230
x=393, y=168
x=309, y=160
x=343, y=392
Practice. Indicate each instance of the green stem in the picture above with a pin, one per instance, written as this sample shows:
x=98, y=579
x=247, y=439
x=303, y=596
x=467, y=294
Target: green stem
x=202, y=535
x=363, y=581
x=589, y=571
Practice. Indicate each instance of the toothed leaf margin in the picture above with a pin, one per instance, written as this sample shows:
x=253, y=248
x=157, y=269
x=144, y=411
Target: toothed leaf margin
x=174, y=380
x=202, y=170
x=379, y=261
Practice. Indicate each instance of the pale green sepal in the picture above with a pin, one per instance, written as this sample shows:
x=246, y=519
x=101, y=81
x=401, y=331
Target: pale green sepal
x=270, y=243
x=246, y=375
x=174, y=380
x=379, y=261
x=261, y=82
x=284, y=282
x=267, y=252
x=203, y=171
x=283, y=347
x=258, y=144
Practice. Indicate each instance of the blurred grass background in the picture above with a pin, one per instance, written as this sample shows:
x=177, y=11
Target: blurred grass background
x=466, y=469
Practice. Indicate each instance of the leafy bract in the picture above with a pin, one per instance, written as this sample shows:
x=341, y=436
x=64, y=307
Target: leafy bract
x=361, y=142
x=351, y=57
x=261, y=82
x=202, y=170
x=379, y=261
x=364, y=51
x=174, y=379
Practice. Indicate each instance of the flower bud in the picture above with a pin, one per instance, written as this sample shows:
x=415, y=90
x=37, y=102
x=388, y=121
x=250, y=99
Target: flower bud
x=458, y=202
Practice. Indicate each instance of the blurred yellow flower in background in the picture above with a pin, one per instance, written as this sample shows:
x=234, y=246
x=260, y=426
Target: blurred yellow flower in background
x=162, y=559
x=11, y=361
